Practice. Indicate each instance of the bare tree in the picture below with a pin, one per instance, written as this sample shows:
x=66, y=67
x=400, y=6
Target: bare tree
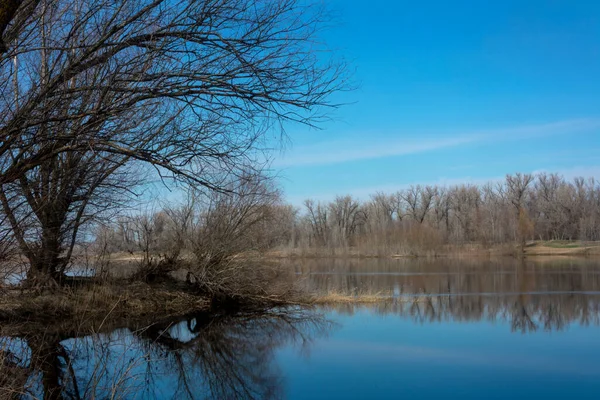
x=384, y=207
x=547, y=188
x=379, y=214
x=465, y=202
x=207, y=78
x=441, y=208
x=318, y=217
x=419, y=200
x=228, y=227
x=48, y=207
x=190, y=88
x=346, y=216
x=179, y=222
x=7, y=242
x=8, y=10
x=517, y=187
x=494, y=215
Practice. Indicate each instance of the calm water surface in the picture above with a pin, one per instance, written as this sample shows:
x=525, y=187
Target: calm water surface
x=457, y=329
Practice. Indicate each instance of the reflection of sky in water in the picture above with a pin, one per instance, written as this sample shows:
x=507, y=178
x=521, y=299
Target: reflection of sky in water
x=366, y=353
x=224, y=358
x=119, y=365
x=391, y=357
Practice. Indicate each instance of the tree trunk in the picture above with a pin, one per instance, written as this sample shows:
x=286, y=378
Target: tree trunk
x=46, y=266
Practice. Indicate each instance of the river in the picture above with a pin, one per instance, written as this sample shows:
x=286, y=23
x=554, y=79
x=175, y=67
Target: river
x=467, y=329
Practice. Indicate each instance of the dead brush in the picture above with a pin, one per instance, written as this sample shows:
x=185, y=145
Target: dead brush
x=251, y=283
x=337, y=297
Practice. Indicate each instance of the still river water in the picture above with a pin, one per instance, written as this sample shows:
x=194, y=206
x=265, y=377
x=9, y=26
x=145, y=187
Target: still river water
x=468, y=329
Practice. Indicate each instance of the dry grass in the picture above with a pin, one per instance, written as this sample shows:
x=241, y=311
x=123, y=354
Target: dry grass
x=229, y=286
x=334, y=297
x=99, y=301
x=563, y=248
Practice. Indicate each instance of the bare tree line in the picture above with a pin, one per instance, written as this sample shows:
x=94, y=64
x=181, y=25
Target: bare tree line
x=418, y=219
x=521, y=208
x=530, y=294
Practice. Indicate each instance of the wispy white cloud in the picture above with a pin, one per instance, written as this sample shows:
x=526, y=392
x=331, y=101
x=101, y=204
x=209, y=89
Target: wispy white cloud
x=341, y=151
x=370, y=147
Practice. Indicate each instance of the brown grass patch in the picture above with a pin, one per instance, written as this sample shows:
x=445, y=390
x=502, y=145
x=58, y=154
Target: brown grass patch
x=334, y=297
x=100, y=300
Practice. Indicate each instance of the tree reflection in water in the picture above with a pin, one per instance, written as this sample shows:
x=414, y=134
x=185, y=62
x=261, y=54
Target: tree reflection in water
x=231, y=357
x=225, y=357
x=529, y=294
x=524, y=313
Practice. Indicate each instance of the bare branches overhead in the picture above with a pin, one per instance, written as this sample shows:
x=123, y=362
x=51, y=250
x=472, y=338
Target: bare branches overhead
x=187, y=86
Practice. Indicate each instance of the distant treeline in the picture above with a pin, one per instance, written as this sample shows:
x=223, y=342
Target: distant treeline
x=421, y=218
x=522, y=207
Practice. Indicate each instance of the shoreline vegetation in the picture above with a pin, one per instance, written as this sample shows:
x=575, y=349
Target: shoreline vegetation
x=93, y=301
x=91, y=305
x=536, y=248
x=96, y=299
x=122, y=289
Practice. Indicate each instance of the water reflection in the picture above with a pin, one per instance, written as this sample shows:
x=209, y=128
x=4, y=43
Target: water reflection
x=221, y=357
x=523, y=313
x=231, y=357
x=529, y=294
x=447, y=276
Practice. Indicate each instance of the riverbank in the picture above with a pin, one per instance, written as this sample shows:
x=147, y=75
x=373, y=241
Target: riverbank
x=532, y=248
x=99, y=300
x=123, y=298
x=90, y=306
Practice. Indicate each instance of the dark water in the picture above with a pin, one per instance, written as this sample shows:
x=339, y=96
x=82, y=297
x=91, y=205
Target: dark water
x=458, y=329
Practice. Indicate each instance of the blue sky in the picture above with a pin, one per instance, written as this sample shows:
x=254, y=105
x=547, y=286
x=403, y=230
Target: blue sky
x=453, y=91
